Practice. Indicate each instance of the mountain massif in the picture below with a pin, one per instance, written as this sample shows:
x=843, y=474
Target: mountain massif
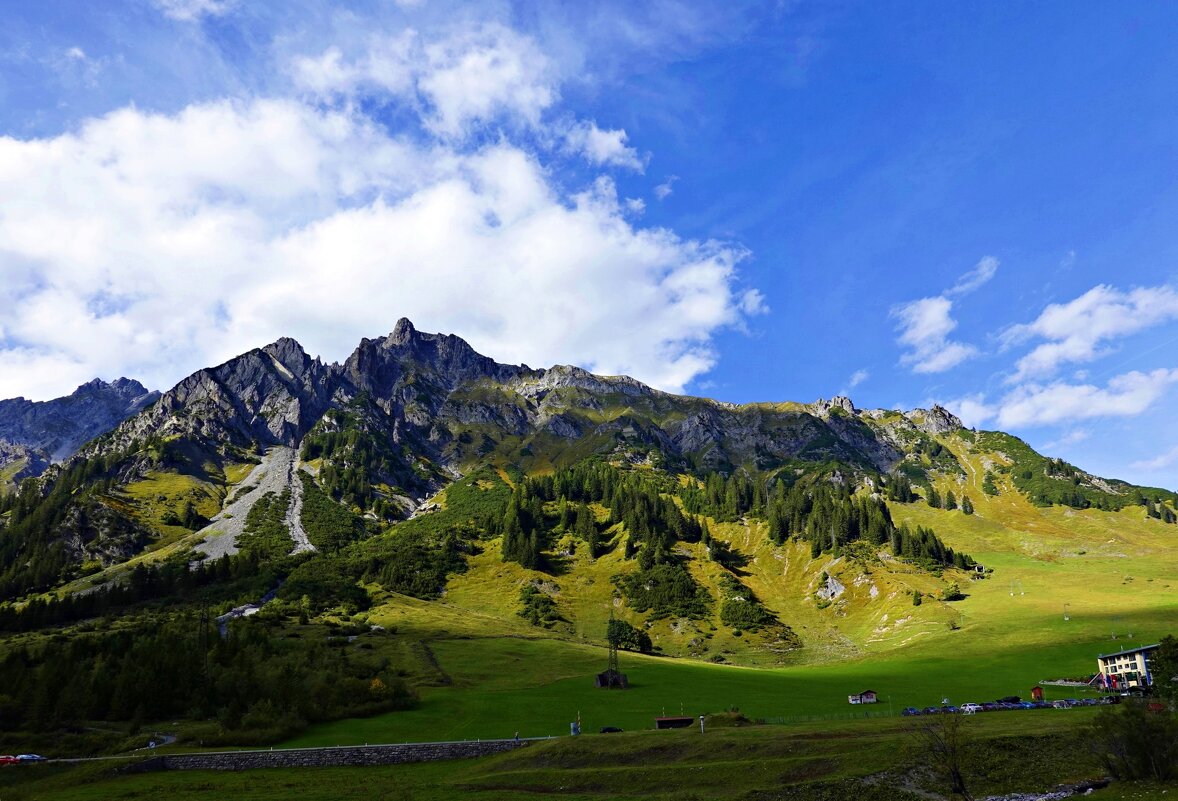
x=407, y=463
x=421, y=520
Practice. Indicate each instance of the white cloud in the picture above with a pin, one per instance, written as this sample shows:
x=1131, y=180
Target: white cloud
x=975, y=278
x=606, y=148
x=925, y=324
x=75, y=54
x=1159, y=462
x=857, y=378
x=1077, y=331
x=972, y=409
x=185, y=239
x=1070, y=438
x=666, y=188
x=924, y=327
x=1126, y=395
x=472, y=76
x=190, y=10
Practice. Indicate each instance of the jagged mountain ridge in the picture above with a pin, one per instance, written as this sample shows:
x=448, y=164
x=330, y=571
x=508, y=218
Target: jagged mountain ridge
x=407, y=414
x=435, y=399
x=41, y=432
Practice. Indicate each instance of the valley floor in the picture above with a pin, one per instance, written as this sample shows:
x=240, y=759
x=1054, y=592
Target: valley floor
x=864, y=759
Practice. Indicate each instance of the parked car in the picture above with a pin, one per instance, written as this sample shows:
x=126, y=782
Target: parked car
x=1025, y=705
x=931, y=710
x=8, y=759
x=1060, y=704
x=910, y=710
x=950, y=709
x=991, y=706
x=1072, y=702
x=971, y=708
x=30, y=758
x=1040, y=705
x=610, y=730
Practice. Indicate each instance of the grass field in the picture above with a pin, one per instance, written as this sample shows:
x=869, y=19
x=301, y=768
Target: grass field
x=537, y=687
x=827, y=760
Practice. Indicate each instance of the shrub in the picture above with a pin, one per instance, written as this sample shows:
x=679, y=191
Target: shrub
x=1137, y=741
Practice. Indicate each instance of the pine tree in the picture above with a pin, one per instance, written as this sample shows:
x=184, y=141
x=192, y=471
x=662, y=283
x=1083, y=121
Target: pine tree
x=966, y=505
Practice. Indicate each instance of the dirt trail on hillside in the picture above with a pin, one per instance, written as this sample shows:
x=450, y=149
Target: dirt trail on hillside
x=277, y=472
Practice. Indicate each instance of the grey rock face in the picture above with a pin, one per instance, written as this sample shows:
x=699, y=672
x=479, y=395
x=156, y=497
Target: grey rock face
x=31, y=462
x=437, y=405
x=823, y=407
x=51, y=431
x=937, y=420
x=268, y=396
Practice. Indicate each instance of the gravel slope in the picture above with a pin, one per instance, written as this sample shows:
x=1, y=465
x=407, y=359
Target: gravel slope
x=278, y=471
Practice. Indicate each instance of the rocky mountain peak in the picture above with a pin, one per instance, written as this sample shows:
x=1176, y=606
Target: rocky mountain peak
x=290, y=358
x=403, y=331
x=937, y=420
x=822, y=407
x=54, y=430
x=446, y=360
x=125, y=388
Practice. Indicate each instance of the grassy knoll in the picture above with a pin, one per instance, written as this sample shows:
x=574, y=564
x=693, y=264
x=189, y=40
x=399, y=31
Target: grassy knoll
x=801, y=761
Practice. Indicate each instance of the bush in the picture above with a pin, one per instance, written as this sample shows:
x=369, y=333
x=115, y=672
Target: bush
x=1137, y=741
x=538, y=607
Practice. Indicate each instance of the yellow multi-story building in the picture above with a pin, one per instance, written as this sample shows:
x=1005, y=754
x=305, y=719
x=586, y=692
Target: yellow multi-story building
x=1126, y=669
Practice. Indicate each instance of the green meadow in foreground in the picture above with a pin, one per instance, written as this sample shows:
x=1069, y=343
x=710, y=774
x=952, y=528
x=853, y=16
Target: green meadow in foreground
x=817, y=760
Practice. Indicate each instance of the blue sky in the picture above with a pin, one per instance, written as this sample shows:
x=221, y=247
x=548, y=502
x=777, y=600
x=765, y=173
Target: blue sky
x=968, y=203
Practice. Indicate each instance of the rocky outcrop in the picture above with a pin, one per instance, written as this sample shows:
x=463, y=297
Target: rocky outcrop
x=18, y=462
x=937, y=420
x=823, y=407
x=41, y=432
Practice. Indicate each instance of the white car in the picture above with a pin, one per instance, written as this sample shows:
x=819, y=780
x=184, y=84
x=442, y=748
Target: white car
x=970, y=709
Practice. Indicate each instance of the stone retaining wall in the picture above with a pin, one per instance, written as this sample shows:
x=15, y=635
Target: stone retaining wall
x=342, y=756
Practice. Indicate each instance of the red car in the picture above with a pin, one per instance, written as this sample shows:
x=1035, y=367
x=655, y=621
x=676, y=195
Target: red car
x=8, y=759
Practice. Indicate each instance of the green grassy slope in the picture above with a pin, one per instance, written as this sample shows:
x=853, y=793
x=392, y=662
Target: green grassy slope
x=862, y=759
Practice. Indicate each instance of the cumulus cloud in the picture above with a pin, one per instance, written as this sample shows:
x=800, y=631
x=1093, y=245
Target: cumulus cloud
x=472, y=76
x=187, y=238
x=1032, y=404
x=1078, y=331
x=604, y=147
x=924, y=327
x=972, y=409
x=925, y=324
